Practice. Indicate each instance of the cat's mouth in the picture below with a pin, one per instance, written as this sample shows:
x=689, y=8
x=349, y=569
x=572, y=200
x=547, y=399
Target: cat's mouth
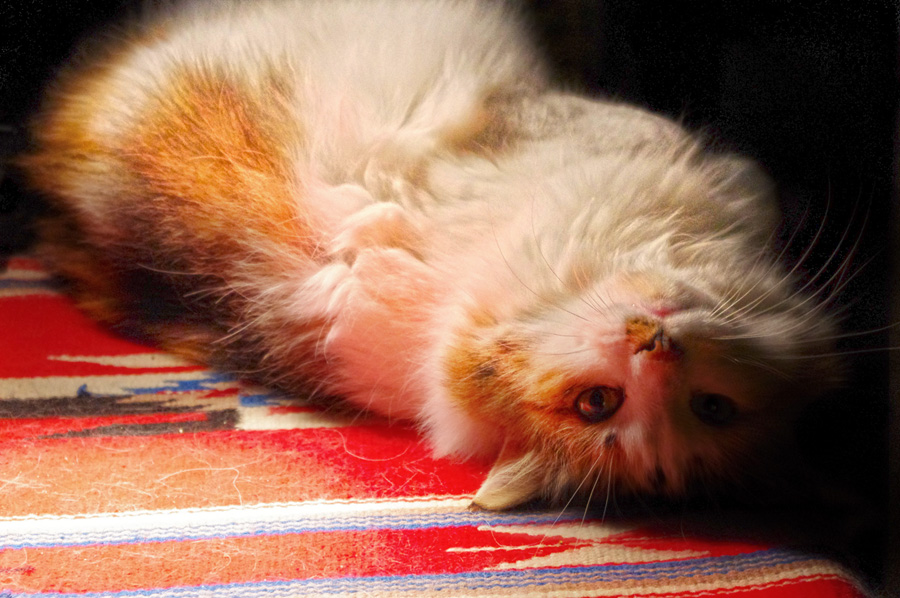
x=662, y=310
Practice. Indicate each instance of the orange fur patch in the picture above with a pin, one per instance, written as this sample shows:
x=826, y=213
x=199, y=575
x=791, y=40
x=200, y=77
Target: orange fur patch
x=201, y=172
x=495, y=380
x=211, y=154
x=491, y=376
x=482, y=379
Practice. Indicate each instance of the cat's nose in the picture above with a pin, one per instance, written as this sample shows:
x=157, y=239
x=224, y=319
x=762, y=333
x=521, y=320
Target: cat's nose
x=648, y=336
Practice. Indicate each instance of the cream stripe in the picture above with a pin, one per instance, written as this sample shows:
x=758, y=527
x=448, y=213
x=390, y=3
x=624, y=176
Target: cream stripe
x=56, y=386
x=135, y=360
x=259, y=418
x=24, y=274
x=27, y=292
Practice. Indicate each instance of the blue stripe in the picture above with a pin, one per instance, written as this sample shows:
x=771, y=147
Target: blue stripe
x=580, y=577
x=199, y=383
x=260, y=400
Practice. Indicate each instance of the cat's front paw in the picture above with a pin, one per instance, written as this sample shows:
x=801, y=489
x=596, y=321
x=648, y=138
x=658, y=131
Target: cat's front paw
x=380, y=225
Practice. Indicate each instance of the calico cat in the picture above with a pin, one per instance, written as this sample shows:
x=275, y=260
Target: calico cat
x=385, y=203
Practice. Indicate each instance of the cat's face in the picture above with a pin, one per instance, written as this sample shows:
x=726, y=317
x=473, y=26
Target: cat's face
x=645, y=383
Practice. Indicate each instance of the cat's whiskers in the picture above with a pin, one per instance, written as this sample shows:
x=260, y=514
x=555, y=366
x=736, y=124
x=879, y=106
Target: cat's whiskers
x=574, y=494
x=764, y=366
x=735, y=296
x=838, y=275
x=540, y=544
x=862, y=332
x=731, y=297
x=785, y=279
x=725, y=309
x=596, y=296
x=842, y=283
x=839, y=353
x=587, y=503
x=609, y=484
x=833, y=286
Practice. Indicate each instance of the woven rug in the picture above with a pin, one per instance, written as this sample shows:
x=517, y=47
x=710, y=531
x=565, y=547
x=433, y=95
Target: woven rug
x=126, y=472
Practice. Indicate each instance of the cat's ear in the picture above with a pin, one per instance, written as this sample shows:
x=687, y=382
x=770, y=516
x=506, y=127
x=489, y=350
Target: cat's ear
x=515, y=479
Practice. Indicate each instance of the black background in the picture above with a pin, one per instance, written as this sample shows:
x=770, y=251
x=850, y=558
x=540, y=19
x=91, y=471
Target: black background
x=809, y=89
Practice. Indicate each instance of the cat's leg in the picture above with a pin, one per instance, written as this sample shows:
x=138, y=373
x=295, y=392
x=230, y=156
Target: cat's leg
x=381, y=327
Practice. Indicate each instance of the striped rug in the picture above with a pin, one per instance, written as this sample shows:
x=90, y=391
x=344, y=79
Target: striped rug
x=126, y=472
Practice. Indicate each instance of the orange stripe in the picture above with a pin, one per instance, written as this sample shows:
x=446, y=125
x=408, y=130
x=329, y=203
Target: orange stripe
x=348, y=554
x=257, y=558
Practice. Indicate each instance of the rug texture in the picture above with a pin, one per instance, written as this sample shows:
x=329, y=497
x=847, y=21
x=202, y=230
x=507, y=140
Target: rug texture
x=126, y=472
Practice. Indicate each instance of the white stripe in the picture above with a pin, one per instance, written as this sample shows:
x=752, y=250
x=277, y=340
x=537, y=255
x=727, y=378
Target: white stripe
x=214, y=521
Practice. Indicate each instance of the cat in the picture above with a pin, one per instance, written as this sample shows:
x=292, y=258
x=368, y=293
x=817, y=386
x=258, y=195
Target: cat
x=386, y=203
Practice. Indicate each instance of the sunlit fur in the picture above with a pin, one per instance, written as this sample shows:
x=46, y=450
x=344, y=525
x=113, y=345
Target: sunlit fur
x=383, y=201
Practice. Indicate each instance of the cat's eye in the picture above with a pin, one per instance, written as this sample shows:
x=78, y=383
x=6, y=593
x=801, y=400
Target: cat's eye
x=713, y=409
x=598, y=403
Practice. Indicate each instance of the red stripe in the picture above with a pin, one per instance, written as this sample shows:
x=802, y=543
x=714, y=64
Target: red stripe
x=825, y=586
x=24, y=263
x=37, y=326
x=258, y=558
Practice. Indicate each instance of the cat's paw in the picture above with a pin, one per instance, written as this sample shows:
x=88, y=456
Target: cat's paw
x=379, y=225
x=324, y=294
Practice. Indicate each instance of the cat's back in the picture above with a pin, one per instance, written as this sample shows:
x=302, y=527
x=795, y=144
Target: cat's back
x=314, y=87
x=361, y=68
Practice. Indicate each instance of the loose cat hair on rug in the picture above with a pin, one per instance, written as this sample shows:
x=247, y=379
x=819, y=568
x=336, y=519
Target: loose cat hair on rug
x=385, y=203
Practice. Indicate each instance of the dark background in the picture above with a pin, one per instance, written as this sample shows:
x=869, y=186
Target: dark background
x=809, y=89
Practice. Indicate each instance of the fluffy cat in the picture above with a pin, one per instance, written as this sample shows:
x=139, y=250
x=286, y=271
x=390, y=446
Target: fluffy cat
x=384, y=202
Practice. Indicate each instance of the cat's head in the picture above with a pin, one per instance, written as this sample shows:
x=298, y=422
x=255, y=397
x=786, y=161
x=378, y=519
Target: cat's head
x=677, y=367
x=645, y=385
